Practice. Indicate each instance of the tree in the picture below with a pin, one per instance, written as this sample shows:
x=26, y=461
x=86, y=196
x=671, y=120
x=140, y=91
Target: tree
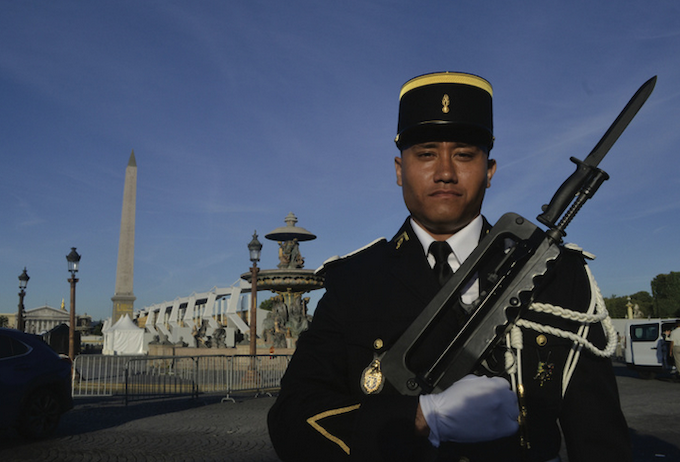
x=267, y=304
x=663, y=302
x=97, y=328
x=666, y=293
x=618, y=306
x=4, y=322
x=645, y=301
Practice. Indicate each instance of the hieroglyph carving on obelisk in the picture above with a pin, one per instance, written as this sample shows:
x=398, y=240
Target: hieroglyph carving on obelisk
x=123, y=298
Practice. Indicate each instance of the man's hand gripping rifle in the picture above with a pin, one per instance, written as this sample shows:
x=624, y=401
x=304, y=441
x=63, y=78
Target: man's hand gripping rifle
x=519, y=255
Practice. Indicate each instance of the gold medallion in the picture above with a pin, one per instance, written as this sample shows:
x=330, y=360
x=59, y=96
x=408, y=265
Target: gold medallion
x=544, y=371
x=372, y=379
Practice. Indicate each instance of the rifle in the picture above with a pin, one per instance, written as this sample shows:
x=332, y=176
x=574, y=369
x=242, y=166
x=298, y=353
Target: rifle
x=520, y=255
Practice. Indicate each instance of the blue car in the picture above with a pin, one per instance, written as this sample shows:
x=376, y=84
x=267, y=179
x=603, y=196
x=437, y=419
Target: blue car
x=35, y=384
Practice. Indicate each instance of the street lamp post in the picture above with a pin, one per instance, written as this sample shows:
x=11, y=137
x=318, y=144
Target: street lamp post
x=73, y=260
x=254, y=247
x=23, y=281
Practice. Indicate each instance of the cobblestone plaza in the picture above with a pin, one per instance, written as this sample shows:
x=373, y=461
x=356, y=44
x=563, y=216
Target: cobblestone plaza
x=206, y=429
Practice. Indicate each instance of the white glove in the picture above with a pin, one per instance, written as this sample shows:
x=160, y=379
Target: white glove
x=472, y=410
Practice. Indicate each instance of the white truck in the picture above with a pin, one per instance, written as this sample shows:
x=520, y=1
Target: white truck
x=638, y=340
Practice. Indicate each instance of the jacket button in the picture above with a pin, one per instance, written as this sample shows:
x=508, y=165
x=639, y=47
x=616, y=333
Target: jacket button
x=378, y=344
x=541, y=340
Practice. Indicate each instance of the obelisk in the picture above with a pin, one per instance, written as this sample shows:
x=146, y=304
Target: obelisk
x=123, y=299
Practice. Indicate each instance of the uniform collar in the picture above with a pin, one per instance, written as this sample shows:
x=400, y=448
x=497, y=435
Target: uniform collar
x=408, y=266
x=462, y=243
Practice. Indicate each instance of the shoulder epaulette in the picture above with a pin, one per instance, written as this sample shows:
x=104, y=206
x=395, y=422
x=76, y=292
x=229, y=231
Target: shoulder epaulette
x=337, y=258
x=575, y=248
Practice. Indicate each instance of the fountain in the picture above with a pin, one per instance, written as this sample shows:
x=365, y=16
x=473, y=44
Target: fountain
x=288, y=317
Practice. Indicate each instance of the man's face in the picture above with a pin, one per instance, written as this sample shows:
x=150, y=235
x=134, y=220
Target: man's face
x=443, y=184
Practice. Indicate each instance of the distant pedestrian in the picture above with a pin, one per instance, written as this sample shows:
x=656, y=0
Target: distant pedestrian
x=663, y=350
x=619, y=346
x=675, y=346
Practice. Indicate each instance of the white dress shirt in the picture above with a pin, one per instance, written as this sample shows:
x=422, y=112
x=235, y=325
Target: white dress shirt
x=462, y=244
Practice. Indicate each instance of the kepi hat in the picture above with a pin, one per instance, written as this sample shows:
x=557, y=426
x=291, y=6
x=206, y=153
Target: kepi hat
x=445, y=106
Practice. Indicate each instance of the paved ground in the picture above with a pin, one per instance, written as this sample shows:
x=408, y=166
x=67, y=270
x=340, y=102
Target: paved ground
x=180, y=429
x=652, y=409
x=207, y=430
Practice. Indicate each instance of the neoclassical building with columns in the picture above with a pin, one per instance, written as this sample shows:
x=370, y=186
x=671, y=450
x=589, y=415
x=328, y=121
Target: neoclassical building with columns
x=45, y=318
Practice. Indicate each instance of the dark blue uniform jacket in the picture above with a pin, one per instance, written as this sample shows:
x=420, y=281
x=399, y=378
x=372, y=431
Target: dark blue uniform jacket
x=322, y=414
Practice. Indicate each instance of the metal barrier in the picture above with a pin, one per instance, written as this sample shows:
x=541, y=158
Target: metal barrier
x=160, y=377
x=259, y=374
x=98, y=375
x=139, y=377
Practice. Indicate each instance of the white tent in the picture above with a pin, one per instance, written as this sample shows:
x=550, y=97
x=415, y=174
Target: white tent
x=124, y=338
x=108, y=339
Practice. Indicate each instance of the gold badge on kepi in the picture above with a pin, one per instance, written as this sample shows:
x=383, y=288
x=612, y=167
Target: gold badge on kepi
x=445, y=104
x=372, y=379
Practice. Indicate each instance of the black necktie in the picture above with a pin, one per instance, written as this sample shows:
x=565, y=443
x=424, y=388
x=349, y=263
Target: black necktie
x=440, y=250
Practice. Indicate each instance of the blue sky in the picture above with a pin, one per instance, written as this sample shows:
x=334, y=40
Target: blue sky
x=240, y=112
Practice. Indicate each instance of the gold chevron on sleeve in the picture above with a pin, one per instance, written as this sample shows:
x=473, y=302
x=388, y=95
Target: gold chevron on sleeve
x=314, y=422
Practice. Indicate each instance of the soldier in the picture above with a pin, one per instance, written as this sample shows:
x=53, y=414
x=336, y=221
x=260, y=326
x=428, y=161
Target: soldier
x=334, y=403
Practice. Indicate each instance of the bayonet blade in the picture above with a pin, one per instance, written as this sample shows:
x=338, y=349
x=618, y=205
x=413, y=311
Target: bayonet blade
x=620, y=124
x=584, y=169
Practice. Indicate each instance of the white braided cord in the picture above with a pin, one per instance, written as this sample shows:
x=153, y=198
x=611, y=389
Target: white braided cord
x=600, y=315
x=569, y=314
x=596, y=313
x=513, y=362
